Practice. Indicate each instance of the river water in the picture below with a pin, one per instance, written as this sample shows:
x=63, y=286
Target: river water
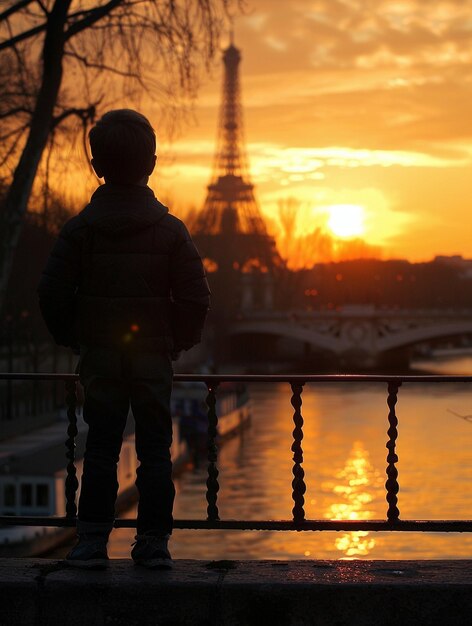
x=344, y=462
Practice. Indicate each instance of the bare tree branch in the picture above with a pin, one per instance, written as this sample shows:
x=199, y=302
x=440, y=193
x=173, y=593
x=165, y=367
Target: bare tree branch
x=102, y=66
x=94, y=16
x=86, y=115
x=11, y=133
x=14, y=144
x=43, y=7
x=467, y=418
x=21, y=65
x=9, y=43
x=15, y=111
x=14, y=9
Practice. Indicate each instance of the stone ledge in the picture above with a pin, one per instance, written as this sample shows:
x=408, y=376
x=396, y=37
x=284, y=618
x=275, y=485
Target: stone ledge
x=237, y=593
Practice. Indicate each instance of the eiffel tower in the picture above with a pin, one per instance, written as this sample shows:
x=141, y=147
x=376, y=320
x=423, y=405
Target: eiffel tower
x=230, y=232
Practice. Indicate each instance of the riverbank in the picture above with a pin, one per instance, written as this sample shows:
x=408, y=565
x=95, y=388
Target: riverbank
x=238, y=593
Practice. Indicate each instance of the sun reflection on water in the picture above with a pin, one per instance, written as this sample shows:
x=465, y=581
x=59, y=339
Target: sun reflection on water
x=356, y=485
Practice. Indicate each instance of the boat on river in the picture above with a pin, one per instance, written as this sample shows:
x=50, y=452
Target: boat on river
x=233, y=408
x=33, y=472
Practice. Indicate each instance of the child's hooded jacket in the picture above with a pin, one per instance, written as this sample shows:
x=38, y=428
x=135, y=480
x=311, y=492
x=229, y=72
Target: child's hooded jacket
x=124, y=273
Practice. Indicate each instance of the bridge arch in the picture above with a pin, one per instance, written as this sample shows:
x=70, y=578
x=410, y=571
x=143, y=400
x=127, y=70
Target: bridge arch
x=316, y=339
x=342, y=335
x=420, y=334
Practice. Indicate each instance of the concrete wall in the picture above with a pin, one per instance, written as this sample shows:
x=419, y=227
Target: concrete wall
x=238, y=593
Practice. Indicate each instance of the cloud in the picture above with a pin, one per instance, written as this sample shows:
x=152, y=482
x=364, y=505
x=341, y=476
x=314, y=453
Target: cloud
x=340, y=96
x=334, y=33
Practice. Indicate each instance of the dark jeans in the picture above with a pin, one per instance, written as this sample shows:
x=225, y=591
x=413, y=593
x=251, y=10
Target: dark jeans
x=106, y=407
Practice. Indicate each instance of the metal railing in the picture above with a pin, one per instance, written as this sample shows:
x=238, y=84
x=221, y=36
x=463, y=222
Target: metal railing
x=298, y=521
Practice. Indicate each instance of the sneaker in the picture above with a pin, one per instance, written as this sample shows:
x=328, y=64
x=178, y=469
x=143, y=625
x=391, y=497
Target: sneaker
x=152, y=552
x=89, y=553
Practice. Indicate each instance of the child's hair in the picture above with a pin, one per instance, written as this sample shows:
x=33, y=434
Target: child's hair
x=123, y=144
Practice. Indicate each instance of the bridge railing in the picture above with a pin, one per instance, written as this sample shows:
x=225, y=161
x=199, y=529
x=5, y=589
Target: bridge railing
x=298, y=521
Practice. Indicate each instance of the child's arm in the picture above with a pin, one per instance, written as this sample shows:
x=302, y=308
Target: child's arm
x=58, y=285
x=190, y=292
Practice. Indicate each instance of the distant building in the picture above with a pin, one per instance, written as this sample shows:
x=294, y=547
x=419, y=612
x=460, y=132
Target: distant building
x=230, y=232
x=456, y=261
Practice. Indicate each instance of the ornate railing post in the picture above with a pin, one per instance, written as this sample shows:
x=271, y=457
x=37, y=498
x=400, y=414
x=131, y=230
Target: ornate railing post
x=212, y=480
x=298, y=483
x=392, y=486
x=72, y=483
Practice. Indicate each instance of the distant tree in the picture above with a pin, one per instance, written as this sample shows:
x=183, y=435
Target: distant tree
x=287, y=214
x=64, y=59
x=35, y=242
x=301, y=244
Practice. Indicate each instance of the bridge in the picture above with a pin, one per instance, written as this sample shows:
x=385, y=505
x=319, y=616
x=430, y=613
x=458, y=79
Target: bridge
x=363, y=336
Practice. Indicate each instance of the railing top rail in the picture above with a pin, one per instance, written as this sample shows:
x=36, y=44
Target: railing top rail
x=299, y=487
x=269, y=378
x=409, y=525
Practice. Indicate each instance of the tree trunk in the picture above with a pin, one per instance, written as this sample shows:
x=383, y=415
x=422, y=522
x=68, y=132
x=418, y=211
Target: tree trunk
x=16, y=201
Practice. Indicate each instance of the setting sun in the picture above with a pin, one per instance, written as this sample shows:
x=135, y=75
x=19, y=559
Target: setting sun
x=346, y=220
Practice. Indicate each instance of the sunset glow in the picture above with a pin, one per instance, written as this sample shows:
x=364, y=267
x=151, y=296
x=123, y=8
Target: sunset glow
x=344, y=103
x=346, y=220
x=348, y=104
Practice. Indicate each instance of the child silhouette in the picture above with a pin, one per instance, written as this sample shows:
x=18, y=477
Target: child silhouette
x=125, y=286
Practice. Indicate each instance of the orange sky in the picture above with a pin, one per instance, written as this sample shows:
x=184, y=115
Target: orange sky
x=354, y=102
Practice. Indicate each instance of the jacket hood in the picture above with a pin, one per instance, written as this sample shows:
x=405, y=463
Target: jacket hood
x=121, y=209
